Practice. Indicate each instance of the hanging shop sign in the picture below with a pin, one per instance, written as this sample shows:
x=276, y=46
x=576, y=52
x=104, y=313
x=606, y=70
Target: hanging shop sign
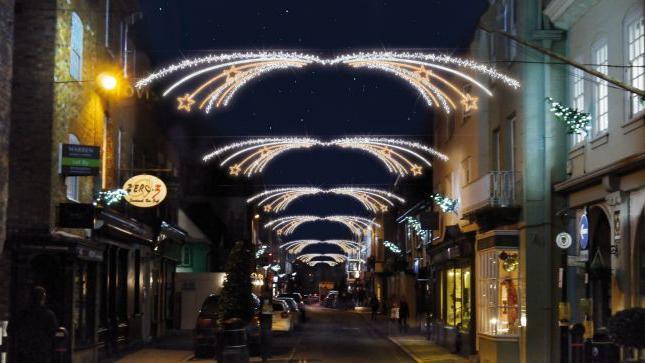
x=75, y=215
x=145, y=191
x=563, y=240
x=583, y=230
x=78, y=160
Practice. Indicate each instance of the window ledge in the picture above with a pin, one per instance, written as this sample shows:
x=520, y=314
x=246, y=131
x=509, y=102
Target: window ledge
x=599, y=140
x=635, y=123
x=577, y=150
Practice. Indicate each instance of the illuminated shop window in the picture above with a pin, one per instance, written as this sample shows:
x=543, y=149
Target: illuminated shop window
x=458, y=297
x=499, y=292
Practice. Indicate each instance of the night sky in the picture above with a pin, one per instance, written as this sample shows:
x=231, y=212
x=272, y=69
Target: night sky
x=318, y=102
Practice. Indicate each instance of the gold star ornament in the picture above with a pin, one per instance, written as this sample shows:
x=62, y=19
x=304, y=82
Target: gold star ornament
x=469, y=102
x=267, y=208
x=234, y=170
x=185, y=102
x=416, y=169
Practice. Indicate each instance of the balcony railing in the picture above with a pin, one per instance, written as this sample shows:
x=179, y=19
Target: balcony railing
x=499, y=189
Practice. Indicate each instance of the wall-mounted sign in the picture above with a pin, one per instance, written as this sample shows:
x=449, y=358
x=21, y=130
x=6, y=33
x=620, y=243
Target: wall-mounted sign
x=583, y=230
x=563, y=240
x=145, y=190
x=78, y=160
x=75, y=215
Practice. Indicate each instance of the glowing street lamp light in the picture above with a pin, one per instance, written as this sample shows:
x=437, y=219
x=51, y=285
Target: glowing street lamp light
x=107, y=81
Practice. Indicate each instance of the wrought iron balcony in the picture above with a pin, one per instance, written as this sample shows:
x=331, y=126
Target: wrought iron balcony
x=492, y=195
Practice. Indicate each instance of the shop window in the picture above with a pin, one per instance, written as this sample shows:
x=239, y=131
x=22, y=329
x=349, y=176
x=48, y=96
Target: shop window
x=499, y=292
x=458, y=291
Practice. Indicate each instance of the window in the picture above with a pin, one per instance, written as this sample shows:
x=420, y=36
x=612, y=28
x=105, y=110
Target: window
x=496, y=152
x=636, y=59
x=499, y=292
x=185, y=255
x=76, y=49
x=466, y=176
x=108, y=33
x=85, y=285
x=578, y=98
x=119, y=147
x=72, y=182
x=601, y=96
x=457, y=295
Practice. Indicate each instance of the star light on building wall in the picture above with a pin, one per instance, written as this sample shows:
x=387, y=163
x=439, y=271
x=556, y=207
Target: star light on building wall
x=374, y=200
x=400, y=157
x=287, y=225
x=212, y=81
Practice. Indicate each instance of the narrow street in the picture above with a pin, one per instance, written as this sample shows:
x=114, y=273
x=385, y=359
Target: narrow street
x=328, y=336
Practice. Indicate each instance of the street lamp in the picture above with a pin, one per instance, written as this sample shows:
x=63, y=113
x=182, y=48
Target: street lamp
x=106, y=81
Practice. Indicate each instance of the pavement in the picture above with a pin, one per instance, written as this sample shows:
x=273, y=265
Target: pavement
x=329, y=335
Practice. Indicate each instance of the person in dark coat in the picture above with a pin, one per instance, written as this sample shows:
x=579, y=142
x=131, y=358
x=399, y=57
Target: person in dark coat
x=404, y=313
x=33, y=330
x=374, y=305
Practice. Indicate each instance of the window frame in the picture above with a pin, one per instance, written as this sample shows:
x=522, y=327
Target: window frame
x=600, y=86
x=632, y=17
x=578, y=100
x=76, y=47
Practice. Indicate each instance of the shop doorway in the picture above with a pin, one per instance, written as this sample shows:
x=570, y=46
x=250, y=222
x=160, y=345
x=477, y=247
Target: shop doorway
x=46, y=270
x=640, y=245
x=600, y=268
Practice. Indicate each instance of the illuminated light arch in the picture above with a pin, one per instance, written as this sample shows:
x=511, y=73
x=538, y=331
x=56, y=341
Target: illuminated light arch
x=400, y=157
x=329, y=263
x=226, y=73
x=309, y=257
x=297, y=246
x=374, y=200
x=287, y=225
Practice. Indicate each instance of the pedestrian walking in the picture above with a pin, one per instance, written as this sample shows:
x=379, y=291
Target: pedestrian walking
x=404, y=313
x=33, y=330
x=374, y=305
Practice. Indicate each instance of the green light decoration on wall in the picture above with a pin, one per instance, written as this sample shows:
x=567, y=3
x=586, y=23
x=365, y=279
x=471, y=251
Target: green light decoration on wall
x=415, y=224
x=576, y=122
x=445, y=204
x=392, y=247
x=109, y=197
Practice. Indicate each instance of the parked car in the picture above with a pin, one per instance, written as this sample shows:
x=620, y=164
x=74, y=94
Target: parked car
x=207, y=327
x=294, y=309
x=301, y=304
x=281, y=319
x=330, y=299
x=312, y=299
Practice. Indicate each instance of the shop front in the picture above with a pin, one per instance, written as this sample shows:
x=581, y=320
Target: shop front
x=499, y=294
x=451, y=294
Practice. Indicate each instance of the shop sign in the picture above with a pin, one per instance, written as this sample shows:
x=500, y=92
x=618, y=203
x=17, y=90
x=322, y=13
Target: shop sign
x=563, y=240
x=583, y=229
x=145, y=191
x=78, y=160
x=75, y=215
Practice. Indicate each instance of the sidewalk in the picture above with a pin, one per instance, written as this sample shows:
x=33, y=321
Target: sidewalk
x=413, y=343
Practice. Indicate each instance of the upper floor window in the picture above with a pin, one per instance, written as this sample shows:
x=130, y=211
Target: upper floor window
x=601, y=96
x=76, y=48
x=72, y=182
x=635, y=37
x=466, y=171
x=108, y=33
x=578, y=98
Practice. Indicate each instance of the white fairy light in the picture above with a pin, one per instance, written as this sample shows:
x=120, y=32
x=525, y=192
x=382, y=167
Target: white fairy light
x=336, y=257
x=297, y=246
x=234, y=70
x=330, y=263
x=276, y=200
x=287, y=225
x=251, y=157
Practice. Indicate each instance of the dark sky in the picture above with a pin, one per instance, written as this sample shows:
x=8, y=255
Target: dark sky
x=321, y=102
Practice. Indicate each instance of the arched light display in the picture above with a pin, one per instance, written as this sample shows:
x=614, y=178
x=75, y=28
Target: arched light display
x=310, y=257
x=250, y=157
x=287, y=225
x=297, y=246
x=374, y=200
x=211, y=81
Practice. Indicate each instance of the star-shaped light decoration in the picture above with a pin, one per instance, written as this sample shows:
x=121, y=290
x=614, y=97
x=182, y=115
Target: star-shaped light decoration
x=416, y=169
x=384, y=208
x=267, y=208
x=264, y=152
x=185, y=102
x=234, y=170
x=424, y=72
x=386, y=151
x=231, y=72
x=469, y=102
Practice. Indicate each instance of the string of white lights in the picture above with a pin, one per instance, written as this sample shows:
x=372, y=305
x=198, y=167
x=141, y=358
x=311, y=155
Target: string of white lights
x=297, y=246
x=336, y=257
x=276, y=200
x=251, y=157
x=287, y=225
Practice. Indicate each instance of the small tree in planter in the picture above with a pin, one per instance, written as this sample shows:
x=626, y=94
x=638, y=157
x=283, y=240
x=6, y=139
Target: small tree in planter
x=235, y=301
x=627, y=329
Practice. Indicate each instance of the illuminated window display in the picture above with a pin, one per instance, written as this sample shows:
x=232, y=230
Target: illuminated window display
x=457, y=295
x=499, y=292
